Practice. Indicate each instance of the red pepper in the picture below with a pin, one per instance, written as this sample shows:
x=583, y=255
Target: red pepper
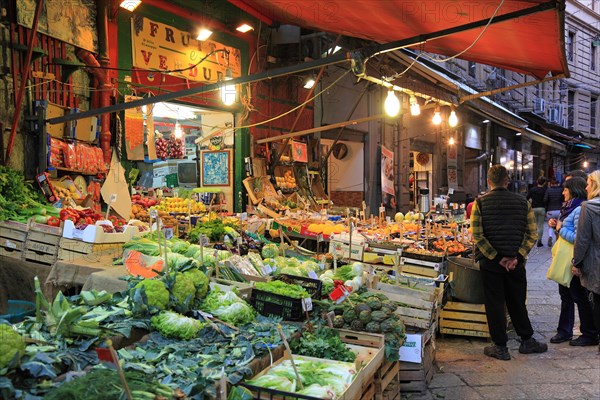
x=53, y=221
x=89, y=220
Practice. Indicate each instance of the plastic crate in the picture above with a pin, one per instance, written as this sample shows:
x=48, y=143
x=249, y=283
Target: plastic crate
x=18, y=310
x=276, y=305
x=312, y=286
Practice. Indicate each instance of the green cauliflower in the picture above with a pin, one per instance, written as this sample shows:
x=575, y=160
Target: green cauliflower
x=173, y=325
x=183, y=289
x=270, y=250
x=156, y=292
x=200, y=281
x=12, y=346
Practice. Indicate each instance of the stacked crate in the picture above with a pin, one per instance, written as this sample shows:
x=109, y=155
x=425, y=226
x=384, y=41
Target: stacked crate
x=12, y=238
x=42, y=244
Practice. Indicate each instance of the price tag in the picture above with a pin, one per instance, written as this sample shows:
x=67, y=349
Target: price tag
x=244, y=216
x=330, y=317
x=381, y=210
x=313, y=275
x=307, y=304
x=239, y=240
x=113, y=198
x=175, y=192
x=450, y=190
x=168, y=232
x=133, y=191
x=388, y=220
x=203, y=240
x=347, y=211
x=153, y=214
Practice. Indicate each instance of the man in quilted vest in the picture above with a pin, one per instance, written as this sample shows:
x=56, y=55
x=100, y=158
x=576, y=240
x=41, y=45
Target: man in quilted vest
x=504, y=230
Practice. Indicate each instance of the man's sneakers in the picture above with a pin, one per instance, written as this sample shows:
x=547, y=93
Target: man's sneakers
x=584, y=341
x=496, y=351
x=532, y=346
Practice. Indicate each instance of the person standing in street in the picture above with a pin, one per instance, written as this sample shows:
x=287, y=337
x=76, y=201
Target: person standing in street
x=536, y=195
x=574, y=193
x=553, y=200
x=504, y=229
x=586, y=253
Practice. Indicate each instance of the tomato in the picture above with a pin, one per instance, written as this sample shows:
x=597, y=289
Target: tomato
x=53, y=221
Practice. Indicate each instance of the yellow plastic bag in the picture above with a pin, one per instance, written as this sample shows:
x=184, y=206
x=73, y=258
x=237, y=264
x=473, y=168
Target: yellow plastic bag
x=560, y=269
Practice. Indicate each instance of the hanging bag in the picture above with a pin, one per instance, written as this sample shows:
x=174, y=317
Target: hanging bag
x=560, y=268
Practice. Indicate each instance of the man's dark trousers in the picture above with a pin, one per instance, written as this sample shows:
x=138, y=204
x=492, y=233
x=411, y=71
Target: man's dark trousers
x=505, y=288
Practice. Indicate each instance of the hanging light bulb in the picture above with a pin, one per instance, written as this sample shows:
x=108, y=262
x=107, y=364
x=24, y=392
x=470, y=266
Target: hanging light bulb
x=415, y=109
x=585, y=164
x=392, y=104
x=228, y=92
x=451, y=141
x=452, y=119
x=437, y=117
x=178, y=132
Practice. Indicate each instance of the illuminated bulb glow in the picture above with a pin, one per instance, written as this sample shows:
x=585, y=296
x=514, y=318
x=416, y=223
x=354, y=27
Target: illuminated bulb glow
x=178, y=132
x=415, y=109
x=451, y=141
x=203, y=34
x=309, y=83
x=228, y=92
x=244, y=28
x=437, y=118
x=585, y=164
x=392, y=104
x=452, y=119
x=130, y=5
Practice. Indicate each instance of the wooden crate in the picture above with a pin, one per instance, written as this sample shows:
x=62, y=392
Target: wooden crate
x=70, y=249
x=414, y=377
x=42, y=243
x=369, y=390
x=386, y=375
x=12, y=239
x=464, y=319
x=419, y=306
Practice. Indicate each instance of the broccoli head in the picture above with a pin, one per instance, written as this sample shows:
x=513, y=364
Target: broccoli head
x=183, y=289
x=200, y=281
x=156, y=292
x=12, y=346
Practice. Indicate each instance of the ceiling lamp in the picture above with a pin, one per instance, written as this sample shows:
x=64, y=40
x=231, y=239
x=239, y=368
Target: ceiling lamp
x=415, y=109
x=452, y=119
x=228, y=91
x=178, y=132
x=309, y=83
x=451, y=141
x=392, y=104
x=130, y=5
x=585, y=164
x=244, y=28
x=437, y=117
x=204, y=34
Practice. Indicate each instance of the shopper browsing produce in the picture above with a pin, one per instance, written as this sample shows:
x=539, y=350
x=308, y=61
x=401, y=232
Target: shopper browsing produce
x=504, y=231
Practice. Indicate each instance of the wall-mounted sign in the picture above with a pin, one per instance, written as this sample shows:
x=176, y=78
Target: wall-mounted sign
x=159, y=47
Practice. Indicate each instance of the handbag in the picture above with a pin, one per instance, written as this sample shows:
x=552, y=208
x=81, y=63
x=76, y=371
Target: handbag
x=560, y=268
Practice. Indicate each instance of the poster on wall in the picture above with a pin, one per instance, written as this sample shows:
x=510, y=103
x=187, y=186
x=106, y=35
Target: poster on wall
x=134, y=131
x=299, y=152
x=216, y=168
x=452, y=169
x=72, y=21
x=158, y=46
x=387, y=178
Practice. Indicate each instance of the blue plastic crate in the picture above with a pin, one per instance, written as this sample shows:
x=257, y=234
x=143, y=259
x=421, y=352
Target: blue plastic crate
x=18, y=310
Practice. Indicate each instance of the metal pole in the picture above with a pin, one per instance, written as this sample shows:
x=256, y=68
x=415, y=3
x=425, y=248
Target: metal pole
x=24, y=74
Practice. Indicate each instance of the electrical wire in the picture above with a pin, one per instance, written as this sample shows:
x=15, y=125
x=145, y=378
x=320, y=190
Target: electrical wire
x=438, y=60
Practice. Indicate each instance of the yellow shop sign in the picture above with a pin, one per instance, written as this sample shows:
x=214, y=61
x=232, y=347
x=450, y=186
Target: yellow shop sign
x=161, y=47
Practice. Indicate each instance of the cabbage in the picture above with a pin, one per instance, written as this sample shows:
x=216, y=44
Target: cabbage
x=228, y=307
x=318, y=391
x=310, y=266
x=270, y=250
x=173, y=325
x=178, y=245
x=293, y=271
x=274, y=382
x=192, y=250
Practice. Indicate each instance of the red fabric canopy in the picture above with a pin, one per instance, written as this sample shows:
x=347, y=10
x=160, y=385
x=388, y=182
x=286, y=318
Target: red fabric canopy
x=531, y=44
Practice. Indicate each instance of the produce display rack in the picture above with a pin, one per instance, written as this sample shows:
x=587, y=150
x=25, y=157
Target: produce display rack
x=414, y=377
x=71, y=249
x=42, y=242
x=464, y=319
x=386, y=377
x=13, y=236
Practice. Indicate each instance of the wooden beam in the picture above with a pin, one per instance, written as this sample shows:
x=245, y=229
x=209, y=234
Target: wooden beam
x=504, y=89
x=321, y=128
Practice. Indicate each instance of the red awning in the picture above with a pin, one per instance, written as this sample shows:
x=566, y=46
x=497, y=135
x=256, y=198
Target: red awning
x=531, y=44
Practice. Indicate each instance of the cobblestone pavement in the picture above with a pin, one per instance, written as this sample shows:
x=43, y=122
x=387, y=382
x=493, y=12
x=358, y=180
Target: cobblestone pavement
x=563, y=372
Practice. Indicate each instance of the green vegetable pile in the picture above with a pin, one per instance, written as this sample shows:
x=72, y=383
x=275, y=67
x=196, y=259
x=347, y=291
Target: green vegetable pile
x=213, y=229
x=104, y=384
x=228, y=307
x=173, y=325
x=18, y=201
x=12, y=346
x=323, y=343
x=284, y=289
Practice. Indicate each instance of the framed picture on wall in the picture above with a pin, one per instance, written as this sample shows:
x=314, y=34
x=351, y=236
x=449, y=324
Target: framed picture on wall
x=299, y=152
x=216, y=168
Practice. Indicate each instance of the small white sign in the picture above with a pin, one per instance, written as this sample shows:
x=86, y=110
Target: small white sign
x=323, y=212
x=153, y=214
x=319, y=237
x=244, y=216
x=113, y=198
x=307, y=304
x=203, y=240
x=313, y=275
x=381, y=210
x=239, y=240
x=388, y=220
x=168, y=232
x=175, y=192
x=450, y=190
x=411, y=350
